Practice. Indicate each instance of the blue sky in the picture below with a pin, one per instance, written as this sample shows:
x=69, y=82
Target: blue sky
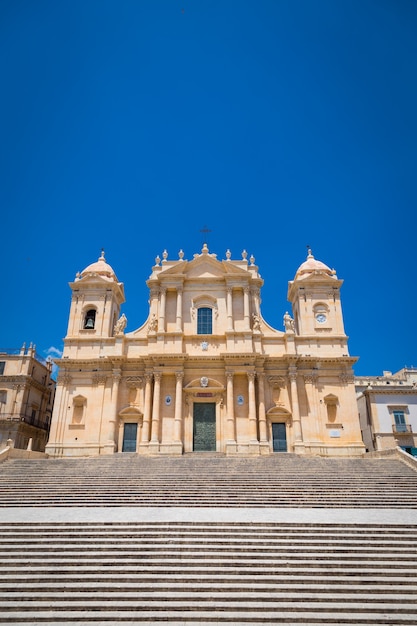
x=131, y=125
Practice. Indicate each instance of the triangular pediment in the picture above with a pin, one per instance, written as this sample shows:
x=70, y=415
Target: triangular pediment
x=206, y=267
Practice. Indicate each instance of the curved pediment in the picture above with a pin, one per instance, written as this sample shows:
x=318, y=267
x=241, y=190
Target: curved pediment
x=130, y=411
x=278, y=411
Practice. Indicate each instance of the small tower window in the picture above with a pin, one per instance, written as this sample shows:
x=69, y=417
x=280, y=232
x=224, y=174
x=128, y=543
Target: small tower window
x=204, y=321
x=90, y=319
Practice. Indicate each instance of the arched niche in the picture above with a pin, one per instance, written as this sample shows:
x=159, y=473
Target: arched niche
x=332, y=402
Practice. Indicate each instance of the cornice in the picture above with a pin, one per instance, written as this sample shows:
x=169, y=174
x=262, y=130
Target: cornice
x=390, y=392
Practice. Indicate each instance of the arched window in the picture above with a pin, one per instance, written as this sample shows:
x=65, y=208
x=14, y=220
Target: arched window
x=90, y=319
x=204, y=321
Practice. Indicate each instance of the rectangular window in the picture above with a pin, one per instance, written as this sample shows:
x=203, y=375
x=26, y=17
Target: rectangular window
x=400, y=425
x=2, y=364
x=204, y=321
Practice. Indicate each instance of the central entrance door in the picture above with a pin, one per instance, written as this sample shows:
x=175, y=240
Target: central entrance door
x=204, y=427
x=130, y=434
x=279, y=437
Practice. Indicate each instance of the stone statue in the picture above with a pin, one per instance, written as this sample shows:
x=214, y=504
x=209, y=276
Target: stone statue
x=120, y=325
x=288, y=322
x=256, y=322
x=153, y=323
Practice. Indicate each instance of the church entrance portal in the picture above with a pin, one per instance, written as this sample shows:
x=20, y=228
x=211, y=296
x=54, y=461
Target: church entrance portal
x=130, y=433
x=204, y=427
x=279, y=437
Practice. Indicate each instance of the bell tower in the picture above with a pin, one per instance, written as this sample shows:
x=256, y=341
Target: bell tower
x=315, y=298
x=96, y=299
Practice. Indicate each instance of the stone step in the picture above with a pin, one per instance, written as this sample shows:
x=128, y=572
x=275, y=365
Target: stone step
x=237, y=595
x=390, y=591
x=188, y=552
x=304, y=616
x=209, y=480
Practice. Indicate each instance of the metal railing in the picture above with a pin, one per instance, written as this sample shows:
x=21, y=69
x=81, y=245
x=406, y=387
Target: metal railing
x=401, y=428
x=18, y=351
x=36, y=421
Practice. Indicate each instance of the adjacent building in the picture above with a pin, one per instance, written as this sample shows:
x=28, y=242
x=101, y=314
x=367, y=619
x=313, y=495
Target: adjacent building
x=27, y=392
x=205, y=371
x=388, y=410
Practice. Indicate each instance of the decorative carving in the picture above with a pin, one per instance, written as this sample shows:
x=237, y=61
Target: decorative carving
x=347, y=377
x=117, y=375
x=153, y=324
x=204, y=345
x=120, y=325
x=277, y=381
x=310, y=379
x=204, y=381
x=99, y=378
x=64, y=378
x=133, y=382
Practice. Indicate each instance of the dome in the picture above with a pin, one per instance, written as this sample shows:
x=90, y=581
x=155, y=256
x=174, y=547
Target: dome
x=311, y=265
x=101, y=268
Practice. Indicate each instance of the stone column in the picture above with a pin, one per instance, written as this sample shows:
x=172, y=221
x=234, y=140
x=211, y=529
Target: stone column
x=253, y=432
x=162, y=303
x=117, y=375
x=147, y=408
x=229, y=305
x=262, y=414
x=230, y=436
x=246, y=291
x=294, y=403
x=256, y=299
x=178, y=407
x=179, y=309
x=156, y=408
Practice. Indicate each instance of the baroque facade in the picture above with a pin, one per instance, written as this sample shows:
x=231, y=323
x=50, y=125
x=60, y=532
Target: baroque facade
x=206, y=372
x=27, y=392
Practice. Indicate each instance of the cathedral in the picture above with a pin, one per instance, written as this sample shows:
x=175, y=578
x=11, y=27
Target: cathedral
x=205, y=372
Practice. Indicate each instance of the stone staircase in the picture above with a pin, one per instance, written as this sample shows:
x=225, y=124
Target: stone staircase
x=209, y=480
x=207, y=540
x=208, y=573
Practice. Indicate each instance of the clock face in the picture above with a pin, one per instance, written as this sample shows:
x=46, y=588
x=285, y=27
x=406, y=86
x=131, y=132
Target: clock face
x=321, y=318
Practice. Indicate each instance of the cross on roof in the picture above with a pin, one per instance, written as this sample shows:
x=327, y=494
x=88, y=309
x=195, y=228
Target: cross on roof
x=205, y=231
